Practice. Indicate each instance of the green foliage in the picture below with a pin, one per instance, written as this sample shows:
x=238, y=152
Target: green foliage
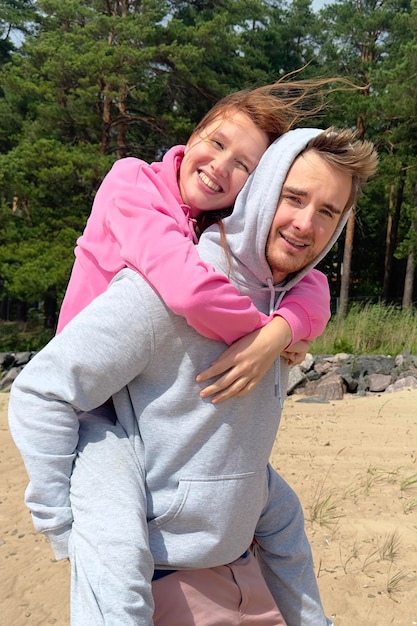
x=370, y=329
x=16, y=15
x=17, y=337
x=94, y=81
x=31, y=269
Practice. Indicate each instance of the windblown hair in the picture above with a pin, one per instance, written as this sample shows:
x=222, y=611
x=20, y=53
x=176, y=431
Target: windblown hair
x=278, y=107
x=343, y=149
x=274, y=109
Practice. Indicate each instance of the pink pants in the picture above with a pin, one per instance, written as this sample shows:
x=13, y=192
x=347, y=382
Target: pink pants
x=229, y=595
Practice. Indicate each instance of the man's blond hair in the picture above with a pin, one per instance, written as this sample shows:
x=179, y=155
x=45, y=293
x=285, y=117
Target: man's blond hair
x=343, y=149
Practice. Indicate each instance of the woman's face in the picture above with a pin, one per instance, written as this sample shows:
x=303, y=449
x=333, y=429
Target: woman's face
x=218, y=161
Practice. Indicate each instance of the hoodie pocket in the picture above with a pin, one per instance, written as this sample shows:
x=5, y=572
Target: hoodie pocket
x=211, y=520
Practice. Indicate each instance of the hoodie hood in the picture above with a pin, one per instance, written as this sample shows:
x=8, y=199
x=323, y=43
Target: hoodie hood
x=247, y=228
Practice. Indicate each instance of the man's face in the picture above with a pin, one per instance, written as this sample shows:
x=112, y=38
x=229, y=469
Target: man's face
x=309, y=209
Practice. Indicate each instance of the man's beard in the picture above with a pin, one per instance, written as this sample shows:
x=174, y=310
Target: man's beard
x=282, y=264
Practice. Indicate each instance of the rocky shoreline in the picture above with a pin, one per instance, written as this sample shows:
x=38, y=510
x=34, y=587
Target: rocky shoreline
x=319, y=377
x=330, y=377
x=11, y=363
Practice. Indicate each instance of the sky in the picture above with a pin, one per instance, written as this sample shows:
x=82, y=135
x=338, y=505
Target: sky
x=319, y=4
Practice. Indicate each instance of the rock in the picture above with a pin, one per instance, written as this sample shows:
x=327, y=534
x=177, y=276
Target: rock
x=379, y=382
x=372, y=364
x=322, y=368
x=7, y=380
x=402, y=383
x=355, y=374
x=330, y=387
x=22, y=358
x=308, y=363
x=7, y=360
x=350, y=382
x=296, y=377
x=341, y=357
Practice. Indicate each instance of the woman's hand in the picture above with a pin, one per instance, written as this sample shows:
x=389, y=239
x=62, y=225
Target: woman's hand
x=297, y=353
x=246, y=361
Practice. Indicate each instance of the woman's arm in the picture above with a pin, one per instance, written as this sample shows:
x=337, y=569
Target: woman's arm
x=155, y=239
x=301, y=317
x=246, y=362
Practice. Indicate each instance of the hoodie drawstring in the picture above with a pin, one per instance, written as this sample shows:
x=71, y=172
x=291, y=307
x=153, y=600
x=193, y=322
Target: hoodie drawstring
x=277, y=365
x=192, y=222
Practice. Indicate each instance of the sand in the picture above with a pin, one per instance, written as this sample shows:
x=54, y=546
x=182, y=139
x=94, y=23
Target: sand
x=353, y=464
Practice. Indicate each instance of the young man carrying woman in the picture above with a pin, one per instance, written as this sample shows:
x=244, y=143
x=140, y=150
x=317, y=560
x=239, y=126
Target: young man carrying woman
x=178, y=484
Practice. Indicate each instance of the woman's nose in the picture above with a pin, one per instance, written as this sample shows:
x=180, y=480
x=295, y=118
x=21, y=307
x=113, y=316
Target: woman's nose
x=221, y=165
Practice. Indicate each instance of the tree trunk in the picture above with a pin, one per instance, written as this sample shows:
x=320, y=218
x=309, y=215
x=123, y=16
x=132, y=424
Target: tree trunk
x=347, y=261
x=392, y=238
x=350, y=231
x=122, y=124
x=407, y=302
x=387, y=259
x=50, y=309
x=106, y=90
x=106, y=119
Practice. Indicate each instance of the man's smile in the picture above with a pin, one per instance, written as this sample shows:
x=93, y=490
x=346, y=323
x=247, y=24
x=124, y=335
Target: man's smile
x=292, y=242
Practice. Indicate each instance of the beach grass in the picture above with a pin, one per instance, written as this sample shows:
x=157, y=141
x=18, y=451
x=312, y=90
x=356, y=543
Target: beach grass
x=370, y=329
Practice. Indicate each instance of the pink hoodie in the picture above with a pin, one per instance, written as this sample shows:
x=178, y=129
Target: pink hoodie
x=138, y=220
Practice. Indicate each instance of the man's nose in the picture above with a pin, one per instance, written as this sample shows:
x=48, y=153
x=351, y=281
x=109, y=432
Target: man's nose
x=303, y=219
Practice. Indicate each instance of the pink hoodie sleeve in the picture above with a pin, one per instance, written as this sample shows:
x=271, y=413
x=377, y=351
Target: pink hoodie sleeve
x=158, y=245
x=306, y=307
x=154, y=239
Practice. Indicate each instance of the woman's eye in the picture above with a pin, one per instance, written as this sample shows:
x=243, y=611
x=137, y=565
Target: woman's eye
x=244, y=167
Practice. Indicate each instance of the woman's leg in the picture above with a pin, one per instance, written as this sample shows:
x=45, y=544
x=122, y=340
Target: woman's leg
x=110, y=561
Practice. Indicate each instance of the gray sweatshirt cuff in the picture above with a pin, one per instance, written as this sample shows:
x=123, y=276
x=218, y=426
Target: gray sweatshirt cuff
x=58, y=539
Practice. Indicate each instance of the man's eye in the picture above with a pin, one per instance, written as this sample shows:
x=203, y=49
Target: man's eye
x=293, y=199
x=327, y=213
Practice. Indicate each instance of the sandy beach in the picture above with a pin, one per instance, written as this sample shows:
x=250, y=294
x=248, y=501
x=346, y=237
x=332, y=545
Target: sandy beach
x=353, y=463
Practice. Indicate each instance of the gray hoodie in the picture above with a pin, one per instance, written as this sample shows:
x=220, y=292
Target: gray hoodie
x=209, y=488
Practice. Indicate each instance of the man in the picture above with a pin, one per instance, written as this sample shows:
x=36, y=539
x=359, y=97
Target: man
x=180, y=486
